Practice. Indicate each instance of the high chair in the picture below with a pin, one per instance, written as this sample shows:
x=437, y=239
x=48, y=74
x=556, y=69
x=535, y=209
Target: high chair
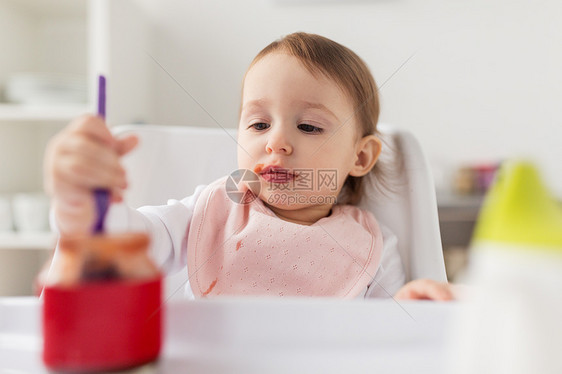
x=171, y=161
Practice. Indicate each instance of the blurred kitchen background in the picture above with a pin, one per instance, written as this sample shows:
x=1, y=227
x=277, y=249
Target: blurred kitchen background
x=477, y=82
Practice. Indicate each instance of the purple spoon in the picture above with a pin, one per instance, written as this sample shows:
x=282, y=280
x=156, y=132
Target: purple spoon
x=101, y=196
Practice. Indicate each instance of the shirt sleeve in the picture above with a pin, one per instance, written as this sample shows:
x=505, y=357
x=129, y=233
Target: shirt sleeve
x=167, y=225
x=390, y=275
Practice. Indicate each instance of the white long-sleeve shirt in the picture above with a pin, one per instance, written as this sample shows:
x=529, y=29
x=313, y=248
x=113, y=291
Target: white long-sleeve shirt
x=168, y=225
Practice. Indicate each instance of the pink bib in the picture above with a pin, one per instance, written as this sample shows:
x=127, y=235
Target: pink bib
x=245, y=249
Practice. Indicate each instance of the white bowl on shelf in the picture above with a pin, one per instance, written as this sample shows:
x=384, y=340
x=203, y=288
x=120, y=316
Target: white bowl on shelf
x=46, y=88
x=31, y=212
x=6, y=223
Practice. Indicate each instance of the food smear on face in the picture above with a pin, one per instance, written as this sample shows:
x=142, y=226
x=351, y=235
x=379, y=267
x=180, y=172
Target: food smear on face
x=258, y=168
x=239, y=244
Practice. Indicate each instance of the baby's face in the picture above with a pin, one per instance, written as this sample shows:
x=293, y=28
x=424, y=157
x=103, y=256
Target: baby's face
x=297, y=132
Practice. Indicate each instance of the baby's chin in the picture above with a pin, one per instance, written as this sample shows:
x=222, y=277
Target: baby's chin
x=303, y=214
x=289, y=200
x=287, y=207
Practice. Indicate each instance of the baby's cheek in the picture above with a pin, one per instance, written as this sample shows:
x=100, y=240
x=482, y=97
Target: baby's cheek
x=242, y=163
x=245, y=159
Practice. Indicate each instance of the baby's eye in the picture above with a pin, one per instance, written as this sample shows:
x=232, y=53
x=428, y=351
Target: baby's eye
x=259, y=126
x=309, y=128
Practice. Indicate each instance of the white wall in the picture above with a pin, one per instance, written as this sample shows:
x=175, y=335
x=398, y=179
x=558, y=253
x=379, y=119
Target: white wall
x=483, y=82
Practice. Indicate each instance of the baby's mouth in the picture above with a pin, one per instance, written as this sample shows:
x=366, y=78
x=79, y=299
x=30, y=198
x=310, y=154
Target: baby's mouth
x=274, y=174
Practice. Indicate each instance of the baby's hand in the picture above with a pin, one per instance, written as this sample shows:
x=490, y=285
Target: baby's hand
x=83, y=157
x=427, y=289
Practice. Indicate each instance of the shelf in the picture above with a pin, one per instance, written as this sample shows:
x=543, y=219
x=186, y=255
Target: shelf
x=450, y=200
x=17, y=112
x=49, y=38
x=28, y=240
x=52, y=7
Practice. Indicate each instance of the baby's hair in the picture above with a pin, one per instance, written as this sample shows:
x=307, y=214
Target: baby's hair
x=340, y=64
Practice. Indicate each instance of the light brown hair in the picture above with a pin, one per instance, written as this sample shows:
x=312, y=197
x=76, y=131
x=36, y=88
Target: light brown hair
x=340, y=64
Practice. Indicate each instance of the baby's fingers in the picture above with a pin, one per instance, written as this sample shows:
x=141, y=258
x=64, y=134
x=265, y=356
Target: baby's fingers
x=425, y=289
x=125, y=145
x=93, y=127
x=116, y=195
x=92, y=149
x=84, y=172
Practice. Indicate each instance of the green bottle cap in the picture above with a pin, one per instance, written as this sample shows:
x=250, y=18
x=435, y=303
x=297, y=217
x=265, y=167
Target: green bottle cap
x=519, y=209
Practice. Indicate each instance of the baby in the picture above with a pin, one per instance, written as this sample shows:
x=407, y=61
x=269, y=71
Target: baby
x=307, y=133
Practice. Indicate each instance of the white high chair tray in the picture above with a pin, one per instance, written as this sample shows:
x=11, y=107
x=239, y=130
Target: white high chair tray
x=252, y=335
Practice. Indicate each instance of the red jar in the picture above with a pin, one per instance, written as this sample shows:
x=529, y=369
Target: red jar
x=109, y=318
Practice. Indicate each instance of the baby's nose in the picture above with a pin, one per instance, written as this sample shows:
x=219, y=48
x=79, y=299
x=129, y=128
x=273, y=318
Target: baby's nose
x=278, y=142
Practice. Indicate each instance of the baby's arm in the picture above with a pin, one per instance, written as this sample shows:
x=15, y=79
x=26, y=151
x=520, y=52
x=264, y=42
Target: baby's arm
x=167, y=225
x=83, y=157
x=390, y=275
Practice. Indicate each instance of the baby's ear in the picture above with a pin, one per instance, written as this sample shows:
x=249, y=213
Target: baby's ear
x=367, y=153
